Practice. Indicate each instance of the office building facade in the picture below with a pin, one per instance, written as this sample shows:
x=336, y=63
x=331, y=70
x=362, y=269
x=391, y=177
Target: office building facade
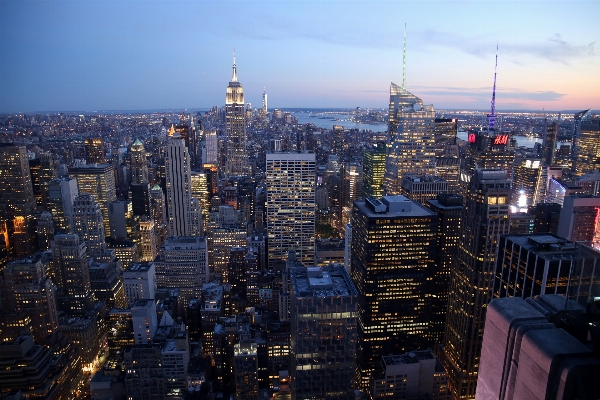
x=324, y=322
x=411, y=138
x=94, y=150
x=235, y=122
x=291, y=205
x=374, y=170
x=138, y=163
x=97, y=180
x=586, y=143
x=177, y=169
x=484, y=219
x=70, y=265
x=16, y=193
x=579, y=218
x=393, y=264
x=539, y=264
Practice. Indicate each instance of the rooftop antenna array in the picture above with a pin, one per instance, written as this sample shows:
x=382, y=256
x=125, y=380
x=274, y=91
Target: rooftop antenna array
x=404, y=61
x=492, y=114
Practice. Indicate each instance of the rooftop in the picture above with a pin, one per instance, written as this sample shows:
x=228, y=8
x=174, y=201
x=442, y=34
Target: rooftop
x=544, y=243
x=392, y=206
x=408, y=358
x=321, y=282
x=139, y=268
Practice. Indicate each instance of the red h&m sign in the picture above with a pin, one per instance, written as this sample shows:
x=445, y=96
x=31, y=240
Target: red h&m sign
x=501, y=140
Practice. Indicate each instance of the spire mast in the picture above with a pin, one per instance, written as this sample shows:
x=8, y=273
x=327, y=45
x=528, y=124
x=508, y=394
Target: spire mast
x=234, y=77
x=404, y=61
x=492, y=115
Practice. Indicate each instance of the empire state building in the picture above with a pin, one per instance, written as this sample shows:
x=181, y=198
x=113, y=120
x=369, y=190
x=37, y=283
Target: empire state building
x=237, y=158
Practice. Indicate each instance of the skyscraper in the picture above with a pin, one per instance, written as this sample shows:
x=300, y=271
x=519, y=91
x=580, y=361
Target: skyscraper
x=374, y=170
x=147, y=239
x=411, y=142
x=543, y=263
x=88, y=224
x=448, y=168
x=449, y=208
x=324, y=321
x=182, y=263
x=24, y=238
x=337, y=140
x=16, y=191
x=586, y=143
x=546, y=217
x=27, y=288
x=139, y=164
x=97, y=180
x=140, y=199
x=210, y=154
x=291, y=206
x=579, y=218
x=74, y=293
x=45, y=231
x=423, y=188
x=446, y=130
x=157, y=206
x=487, y=149
x=550, y=140
x=245, y=367
x=235, y=119
x=48, y=172
x=265, y=103
x=393, y=264
x=94, y=150
x=352, y=184
x=179, y=189
x=484, y=219
x=61, y=195
x=529, y=183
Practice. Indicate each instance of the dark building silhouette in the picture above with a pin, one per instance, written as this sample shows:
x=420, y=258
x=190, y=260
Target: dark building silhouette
x=546, y=217
x=449, y=208
x=484, y=219
x=393, y=265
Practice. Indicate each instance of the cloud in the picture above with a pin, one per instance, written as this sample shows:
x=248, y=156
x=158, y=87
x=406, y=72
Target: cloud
x=485, y=93
x=554, y=48
x=360, y=91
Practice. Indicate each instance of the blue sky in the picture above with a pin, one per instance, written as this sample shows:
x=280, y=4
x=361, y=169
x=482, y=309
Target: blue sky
x=130, y=55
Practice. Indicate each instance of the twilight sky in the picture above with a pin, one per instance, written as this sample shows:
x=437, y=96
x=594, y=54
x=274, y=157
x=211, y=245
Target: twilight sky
x=132, y=55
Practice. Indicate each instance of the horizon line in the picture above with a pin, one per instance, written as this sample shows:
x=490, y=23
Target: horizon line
x=3, y=113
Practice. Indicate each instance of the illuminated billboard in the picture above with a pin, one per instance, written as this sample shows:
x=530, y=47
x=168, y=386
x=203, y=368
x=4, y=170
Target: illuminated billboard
x=472, y=138
x=501, y=140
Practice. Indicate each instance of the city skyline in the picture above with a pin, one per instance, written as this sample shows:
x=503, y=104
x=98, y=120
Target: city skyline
x=65, y=56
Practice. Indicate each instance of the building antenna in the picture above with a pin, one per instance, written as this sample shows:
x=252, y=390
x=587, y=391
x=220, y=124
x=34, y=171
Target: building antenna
x=404, y=61
x=234, y=77
x=492, y=115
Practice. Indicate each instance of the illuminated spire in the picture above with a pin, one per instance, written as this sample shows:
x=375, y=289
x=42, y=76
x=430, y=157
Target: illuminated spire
x=404, y=61
x=492, y=114
x=234, y=77
x=172, y=130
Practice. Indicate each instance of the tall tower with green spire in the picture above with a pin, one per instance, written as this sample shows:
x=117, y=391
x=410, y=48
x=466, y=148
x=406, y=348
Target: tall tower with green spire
x=410, y=141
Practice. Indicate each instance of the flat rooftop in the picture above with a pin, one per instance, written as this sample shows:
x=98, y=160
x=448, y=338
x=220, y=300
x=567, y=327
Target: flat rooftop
x=408, y=358
x=321, y=282
x=545, y=245
x=138, y=268
x=393, y=206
